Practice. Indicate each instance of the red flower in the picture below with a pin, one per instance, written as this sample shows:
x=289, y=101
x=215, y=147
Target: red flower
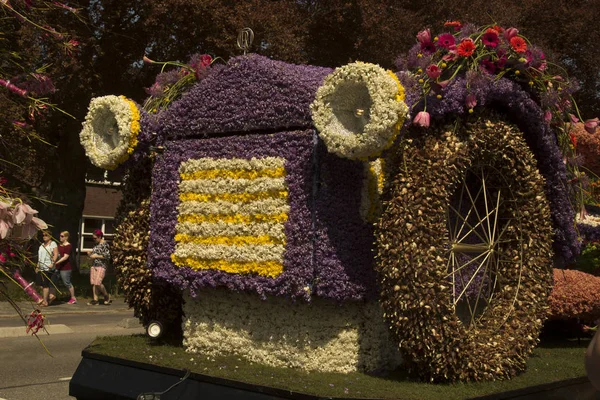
x=488, y=66
x=455, y=24
x=427, y=47
x=490, y=38
x=433, y=71
x=205, y=60
x=446, y=40
x=466, y=47
x=518, y=44
x=573, y=139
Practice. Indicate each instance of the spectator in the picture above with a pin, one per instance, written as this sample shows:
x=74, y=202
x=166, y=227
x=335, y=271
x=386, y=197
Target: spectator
x=63, y=264
x=47, y=255
x=101, y=256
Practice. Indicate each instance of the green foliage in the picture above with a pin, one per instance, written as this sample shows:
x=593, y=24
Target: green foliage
x=589, y=260
x=551, y=362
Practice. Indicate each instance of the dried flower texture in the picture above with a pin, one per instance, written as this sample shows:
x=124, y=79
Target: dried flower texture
x=575, y=295
x=321, y=336
x=413, y=252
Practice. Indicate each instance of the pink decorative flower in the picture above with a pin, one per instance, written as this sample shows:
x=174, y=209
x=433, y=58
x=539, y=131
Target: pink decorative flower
x=510, y=33
x=591, y=125
x=490, y=38
x=471, y=101
x=573, y=118
x=446, y=40
x=548, y=116
x=451, y=56
x=205, y=60
x=422, y=119
x=147, y=60
x=2, y=259
x=433, y=71
x=424, y=36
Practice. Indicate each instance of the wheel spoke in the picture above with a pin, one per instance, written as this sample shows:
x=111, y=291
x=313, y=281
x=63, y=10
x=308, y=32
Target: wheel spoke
x=472, y=229
x=460, y=208
x=473, y=276
x=487, y=211
x=466, y=264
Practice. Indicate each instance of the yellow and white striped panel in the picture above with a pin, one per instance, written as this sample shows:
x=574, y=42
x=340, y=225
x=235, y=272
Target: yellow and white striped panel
x=232, y=214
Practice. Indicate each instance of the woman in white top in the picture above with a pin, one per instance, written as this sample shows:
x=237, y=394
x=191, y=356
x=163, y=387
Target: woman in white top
x=47, y=255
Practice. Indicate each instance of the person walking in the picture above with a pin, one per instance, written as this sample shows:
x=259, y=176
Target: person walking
x=63, y=264
x=47, y=255
x=101, y=256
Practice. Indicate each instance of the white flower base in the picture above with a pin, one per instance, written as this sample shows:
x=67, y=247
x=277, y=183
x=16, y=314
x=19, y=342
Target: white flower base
x=321, y=336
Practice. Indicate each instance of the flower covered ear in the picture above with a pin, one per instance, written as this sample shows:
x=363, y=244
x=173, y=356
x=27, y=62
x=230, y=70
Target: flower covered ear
x=359, y=110
x=110, y=130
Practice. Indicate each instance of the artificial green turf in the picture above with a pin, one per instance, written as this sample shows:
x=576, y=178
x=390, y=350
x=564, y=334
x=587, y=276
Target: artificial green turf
x=550, y=362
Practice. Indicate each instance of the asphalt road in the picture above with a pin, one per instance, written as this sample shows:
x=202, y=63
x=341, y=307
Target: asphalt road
x=28, y=372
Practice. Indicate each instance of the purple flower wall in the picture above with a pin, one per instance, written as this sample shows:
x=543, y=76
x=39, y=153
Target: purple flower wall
x=344, y=242
x=296, y=148
x=342, y=251
x=250, y=93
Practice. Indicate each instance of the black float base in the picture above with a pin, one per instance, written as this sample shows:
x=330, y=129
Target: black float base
x=100, y=377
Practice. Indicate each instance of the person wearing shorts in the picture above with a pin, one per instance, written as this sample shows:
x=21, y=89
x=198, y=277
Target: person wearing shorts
x=63, y=264
x=100, y=255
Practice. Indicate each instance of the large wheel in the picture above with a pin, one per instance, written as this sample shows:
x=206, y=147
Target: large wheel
x=464, y=252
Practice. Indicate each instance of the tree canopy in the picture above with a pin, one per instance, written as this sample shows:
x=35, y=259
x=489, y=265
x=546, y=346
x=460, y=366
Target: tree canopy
x=95, y=47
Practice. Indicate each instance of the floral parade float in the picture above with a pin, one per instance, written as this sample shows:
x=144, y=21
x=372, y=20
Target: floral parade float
x=350, y=219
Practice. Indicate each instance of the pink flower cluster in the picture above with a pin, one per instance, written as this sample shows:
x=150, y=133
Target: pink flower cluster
x=490, y=50
x=18, y=220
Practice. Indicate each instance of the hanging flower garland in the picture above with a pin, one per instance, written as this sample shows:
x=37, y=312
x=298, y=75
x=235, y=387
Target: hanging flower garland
x=359, y=110
x=110, y=130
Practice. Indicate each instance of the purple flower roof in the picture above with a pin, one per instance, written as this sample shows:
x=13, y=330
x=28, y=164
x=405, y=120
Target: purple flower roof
x=508, y=97
x=250, y=93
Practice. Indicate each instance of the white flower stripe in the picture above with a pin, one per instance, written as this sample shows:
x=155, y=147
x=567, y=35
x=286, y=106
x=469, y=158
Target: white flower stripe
x=200, y=164
x=214, y=229
x=224, y=185
x=251, y=253
x=267, y=206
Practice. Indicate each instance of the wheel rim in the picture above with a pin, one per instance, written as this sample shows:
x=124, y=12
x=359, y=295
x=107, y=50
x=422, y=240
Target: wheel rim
x=478, y=223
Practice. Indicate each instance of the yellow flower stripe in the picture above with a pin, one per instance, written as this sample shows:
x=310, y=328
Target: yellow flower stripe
x=400, y=95
x=234, y=197
x=234, y=218
x=135, y=125
x=234, y=174
x=266, y=206
x=228, y=240
x=206, y=229
x=226, y=185
x=269, y=269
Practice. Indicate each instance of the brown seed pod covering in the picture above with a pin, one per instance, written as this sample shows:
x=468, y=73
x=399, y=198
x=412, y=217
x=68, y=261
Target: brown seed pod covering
x=129, y=255
x=414, y=249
